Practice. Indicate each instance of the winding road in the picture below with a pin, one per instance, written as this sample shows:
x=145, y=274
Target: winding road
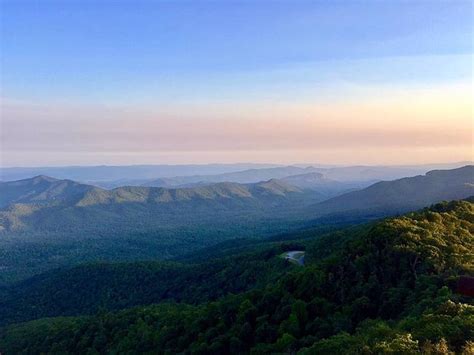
x=296, y=256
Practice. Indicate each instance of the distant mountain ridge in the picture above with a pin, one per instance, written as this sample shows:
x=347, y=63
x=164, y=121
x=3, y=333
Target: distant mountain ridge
x=193, y=175
x=354, y=176
x=242, y=177
x=127, y=172
x=322, y=184
x=383, y=173
x=404, y=194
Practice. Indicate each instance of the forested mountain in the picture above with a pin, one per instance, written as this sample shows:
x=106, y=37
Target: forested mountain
x=387, y=288
x=48, y=223
x=27, y=202
x=42, y=190
x=398, y=196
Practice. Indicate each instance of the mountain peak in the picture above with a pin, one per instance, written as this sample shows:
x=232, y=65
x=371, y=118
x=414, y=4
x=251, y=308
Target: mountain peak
x=406, y=193
x=467, y=169
x=41, y=178
x=277, y=186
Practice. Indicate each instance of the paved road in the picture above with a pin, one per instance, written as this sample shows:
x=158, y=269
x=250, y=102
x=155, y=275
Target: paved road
x=296, y=256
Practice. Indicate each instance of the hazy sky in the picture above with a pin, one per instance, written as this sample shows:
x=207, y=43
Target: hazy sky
x=127, y=82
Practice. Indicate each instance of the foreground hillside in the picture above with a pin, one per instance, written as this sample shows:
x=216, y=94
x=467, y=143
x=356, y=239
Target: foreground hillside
x=391, y=289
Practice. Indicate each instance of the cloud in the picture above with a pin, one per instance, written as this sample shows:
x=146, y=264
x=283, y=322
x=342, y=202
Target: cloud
x=434, y=120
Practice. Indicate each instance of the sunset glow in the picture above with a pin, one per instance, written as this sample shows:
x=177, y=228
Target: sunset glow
x=392, y=97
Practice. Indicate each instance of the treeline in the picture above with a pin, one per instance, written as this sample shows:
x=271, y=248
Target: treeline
x=391, y=290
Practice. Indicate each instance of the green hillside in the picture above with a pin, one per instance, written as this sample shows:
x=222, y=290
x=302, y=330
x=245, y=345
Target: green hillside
x=402, y=195
x=388, y=289
x=86, y=289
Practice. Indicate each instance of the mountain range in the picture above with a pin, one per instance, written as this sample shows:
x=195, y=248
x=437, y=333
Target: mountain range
x=60, y=222
x=44, y=192
x=123, y=173
x=192, y=175
x=49, y=191
x=351, y=176
x=243, y=177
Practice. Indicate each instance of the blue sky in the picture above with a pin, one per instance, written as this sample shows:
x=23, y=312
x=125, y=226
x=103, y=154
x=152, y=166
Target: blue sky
x=237, y=53
x=94, y=50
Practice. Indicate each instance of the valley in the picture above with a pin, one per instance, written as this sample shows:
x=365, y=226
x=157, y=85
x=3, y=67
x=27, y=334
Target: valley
x=400, y=273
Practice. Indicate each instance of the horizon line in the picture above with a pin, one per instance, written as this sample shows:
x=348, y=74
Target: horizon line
x=466, y=162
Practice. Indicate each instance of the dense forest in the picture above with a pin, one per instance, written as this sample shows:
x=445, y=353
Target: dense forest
x=229, y=267
x=389, y=287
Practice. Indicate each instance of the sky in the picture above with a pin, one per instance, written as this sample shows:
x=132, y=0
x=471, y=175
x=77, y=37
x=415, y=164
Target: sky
x=331, y=82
